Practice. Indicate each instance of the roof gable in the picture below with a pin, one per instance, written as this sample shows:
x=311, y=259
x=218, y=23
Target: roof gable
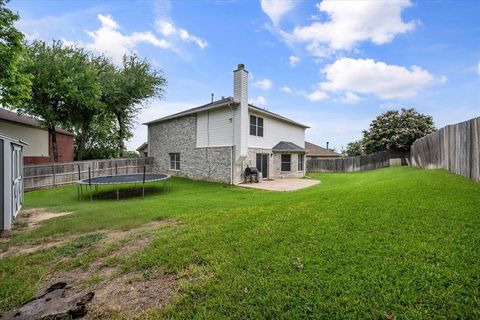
x=287, y=146
x=221, y=103
x=316, y=150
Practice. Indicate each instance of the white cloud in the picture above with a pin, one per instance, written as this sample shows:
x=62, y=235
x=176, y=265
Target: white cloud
x=350, y=98
x=169, y=30
x=265, y=84
x=293, y=60
x=317, y=95
x=276, y=9
x=286, y=89
x=352, y=22
x=109, y=40
x=366, y=76
x=259, y=101
x=478, y=68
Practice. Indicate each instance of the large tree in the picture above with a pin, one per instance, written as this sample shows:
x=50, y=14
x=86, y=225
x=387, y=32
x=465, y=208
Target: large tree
x=396, y=130
x=14, y=84
x=91, y=119
x=65, y=86
x=353, y=149
x=125, y=90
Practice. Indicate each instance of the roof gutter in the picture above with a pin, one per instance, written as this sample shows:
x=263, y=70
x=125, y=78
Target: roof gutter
x=188, y=112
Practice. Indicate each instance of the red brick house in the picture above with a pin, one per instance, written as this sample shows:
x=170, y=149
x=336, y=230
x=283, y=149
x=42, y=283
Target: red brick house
x=40, y=147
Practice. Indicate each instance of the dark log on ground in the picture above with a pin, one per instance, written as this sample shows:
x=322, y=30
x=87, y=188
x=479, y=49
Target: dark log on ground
x=55, y=303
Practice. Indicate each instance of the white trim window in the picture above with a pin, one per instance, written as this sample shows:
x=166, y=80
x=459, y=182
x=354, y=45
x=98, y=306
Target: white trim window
x=174, y=161
x=301, y=158
x=256, y=126
x=286, y=162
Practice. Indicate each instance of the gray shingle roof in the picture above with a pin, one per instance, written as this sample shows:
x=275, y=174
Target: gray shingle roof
x=204, y=107
x=222, y=102
x=25, y=120
x=315, y=150
x=287, y=146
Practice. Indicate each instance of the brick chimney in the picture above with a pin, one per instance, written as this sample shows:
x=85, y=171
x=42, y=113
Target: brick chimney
x=240, y=95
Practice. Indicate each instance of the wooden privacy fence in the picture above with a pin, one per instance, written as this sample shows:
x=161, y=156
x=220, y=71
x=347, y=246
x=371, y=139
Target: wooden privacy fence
x=54, y=174
x=350, y=164
x=455, y=148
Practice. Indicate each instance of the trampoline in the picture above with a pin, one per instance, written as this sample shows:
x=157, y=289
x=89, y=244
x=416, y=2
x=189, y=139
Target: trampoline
x=122, y=179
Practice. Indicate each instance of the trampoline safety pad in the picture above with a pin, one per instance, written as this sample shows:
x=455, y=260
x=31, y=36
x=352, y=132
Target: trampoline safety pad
x=118, y=180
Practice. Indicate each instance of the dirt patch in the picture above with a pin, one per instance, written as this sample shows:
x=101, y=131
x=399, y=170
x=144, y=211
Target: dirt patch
x=115, y=293
x=29, y=219
x=128, y=296
x=108, y=236
x=32, y=249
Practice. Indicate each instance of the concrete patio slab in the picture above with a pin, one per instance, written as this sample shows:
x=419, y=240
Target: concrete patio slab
x=290, y=184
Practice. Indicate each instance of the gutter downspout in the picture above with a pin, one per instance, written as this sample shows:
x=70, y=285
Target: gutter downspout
x=233, y=144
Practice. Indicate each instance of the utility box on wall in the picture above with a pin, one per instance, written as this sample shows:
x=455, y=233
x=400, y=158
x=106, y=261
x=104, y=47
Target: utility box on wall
x=11, y=179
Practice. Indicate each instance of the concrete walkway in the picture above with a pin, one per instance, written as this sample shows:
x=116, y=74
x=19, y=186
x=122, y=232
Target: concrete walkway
x=291, y=184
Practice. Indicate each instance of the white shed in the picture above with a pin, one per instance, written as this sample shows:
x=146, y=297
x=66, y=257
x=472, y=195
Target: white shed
x=11, y=179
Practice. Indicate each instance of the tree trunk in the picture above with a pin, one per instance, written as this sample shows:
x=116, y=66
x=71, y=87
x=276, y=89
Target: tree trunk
x=83, y=140
x=53, y=132
x=121, y=133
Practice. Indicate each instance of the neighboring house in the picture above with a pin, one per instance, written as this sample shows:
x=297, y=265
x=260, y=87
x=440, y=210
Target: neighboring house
x=11, y=179
x=316, y=152
x=217, y=141
x=40, y=147
x=143, y=150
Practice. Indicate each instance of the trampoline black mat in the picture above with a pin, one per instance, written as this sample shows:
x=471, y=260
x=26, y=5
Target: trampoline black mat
x=125, y=178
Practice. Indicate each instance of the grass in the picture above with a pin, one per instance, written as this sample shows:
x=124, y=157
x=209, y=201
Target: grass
x=392, y=243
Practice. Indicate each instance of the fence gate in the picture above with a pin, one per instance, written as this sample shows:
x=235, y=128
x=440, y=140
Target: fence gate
x=17, y=181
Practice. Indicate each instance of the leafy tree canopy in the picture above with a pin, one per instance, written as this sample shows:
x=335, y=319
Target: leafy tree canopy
x=64, y=85
x=14, y=84
x=396, y=130
x=353, y=149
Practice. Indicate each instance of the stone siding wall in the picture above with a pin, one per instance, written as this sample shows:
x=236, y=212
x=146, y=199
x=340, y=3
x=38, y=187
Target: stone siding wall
x=293, y=173
x=252, y=159
x=179, y=136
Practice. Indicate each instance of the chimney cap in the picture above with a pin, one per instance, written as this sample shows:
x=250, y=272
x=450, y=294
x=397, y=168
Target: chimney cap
x=241, y=66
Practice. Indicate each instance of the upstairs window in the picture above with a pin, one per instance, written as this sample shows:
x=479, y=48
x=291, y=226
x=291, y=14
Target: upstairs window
x=286, y=162
x=174, y=161
x=256, y=126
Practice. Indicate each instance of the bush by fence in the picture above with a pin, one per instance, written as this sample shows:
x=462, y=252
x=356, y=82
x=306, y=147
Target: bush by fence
x=350, y=164
x=455, y=148
x=53, y=174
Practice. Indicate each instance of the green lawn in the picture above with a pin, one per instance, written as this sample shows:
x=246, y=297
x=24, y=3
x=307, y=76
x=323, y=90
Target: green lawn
x=396, y=242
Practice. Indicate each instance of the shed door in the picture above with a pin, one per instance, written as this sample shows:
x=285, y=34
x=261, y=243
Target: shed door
x=17, y=181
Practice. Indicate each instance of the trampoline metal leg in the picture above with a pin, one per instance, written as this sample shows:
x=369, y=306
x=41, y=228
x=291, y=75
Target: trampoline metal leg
x=118, y=195
x=143, y=190
x=91, y=198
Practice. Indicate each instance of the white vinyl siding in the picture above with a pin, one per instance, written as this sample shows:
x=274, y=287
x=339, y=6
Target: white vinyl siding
x=36, y=138
x=215, y=128
x=275, y=131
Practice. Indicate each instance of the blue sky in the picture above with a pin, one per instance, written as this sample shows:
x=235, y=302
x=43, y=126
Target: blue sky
x=333, y=65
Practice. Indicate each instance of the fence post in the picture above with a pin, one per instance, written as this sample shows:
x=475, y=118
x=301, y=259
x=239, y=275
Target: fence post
x=54, y=178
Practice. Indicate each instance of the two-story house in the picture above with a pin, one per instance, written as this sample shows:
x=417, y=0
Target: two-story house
x=217, y=141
